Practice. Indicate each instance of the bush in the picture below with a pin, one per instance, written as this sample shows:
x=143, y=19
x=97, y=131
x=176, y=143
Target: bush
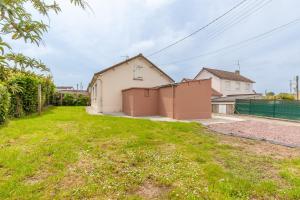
x=82, y=100
x=69, y=100
x=24, y=92
x=4, y=103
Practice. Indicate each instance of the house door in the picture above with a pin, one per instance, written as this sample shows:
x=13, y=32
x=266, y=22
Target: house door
x=222, y=109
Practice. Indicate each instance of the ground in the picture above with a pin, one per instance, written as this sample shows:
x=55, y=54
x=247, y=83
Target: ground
x=272, y=130
x=68, y=154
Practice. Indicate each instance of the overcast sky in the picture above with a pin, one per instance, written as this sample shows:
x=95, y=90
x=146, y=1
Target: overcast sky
x=80, y=43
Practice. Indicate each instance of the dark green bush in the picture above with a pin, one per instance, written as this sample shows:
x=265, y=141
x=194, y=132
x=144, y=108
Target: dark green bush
x=4, y=103
x=70, y=99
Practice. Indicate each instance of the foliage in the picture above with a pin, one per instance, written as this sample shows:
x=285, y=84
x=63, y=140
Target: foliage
x=4, y=102
x=285, y=96
x=270, y=94
x=71, y=99
x=19, y=24
x=68, y=154
x=280, y=96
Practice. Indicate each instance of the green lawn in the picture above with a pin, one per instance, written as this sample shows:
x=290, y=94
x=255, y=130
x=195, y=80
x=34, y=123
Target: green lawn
x=68, y=154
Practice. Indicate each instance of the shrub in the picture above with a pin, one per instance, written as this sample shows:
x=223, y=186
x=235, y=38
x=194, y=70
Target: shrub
x=82, y=100
x=69, y=100
x=4, y=103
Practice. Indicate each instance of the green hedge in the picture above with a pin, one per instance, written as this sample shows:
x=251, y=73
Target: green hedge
x=71, y=100
x=4, y=103
x=22, y=88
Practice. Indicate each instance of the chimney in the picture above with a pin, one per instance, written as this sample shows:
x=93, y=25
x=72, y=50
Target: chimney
x=237, y=72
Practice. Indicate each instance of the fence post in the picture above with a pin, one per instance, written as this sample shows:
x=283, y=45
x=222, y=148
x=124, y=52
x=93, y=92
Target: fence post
x=39, y=99
x=274, y=108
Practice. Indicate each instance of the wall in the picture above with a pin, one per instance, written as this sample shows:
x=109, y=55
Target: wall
x=188, y=100
x=233, y=88
x=193, y=100
x=165, y=102
x=121, y=77
x=140, y=102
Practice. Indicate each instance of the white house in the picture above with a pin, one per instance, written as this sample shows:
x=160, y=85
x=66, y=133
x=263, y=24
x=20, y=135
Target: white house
x=231, y=85
x=107, y=85
x=227, y=83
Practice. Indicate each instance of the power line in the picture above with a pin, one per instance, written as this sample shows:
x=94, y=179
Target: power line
x=255, y=38
x=198, y=30
x=240, y=18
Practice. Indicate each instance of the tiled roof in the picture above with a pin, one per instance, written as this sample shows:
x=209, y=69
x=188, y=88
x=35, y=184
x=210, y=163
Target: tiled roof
x=227, y=75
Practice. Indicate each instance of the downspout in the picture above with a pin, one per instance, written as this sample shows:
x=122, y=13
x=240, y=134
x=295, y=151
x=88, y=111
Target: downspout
x=101, y=93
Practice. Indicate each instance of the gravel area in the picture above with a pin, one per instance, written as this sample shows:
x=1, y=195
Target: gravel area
x=287, y=135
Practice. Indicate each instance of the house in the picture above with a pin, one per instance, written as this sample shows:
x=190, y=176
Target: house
x=227, y=83
x=227, y=87
x=64, y=88
x=184, y=101
x=107, y=85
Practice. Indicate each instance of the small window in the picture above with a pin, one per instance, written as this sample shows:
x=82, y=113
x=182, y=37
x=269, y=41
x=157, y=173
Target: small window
x=228, y=85
x=138, y=73
x=238, y=86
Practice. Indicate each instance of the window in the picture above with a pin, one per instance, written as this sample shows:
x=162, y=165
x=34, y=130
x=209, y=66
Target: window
x=247, y=86
x=238, y=86
x=138, y=73
x=228, y=85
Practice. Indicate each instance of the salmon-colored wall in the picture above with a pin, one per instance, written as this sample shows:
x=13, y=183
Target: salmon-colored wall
x=165, y=101
x=188, y=100
x=193, y=100
x=140, y=102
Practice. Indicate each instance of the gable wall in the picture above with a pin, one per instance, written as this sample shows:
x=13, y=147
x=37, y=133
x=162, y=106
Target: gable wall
x=216, y=81
x=122, y=77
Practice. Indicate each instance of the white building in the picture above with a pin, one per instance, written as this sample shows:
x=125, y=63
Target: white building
x=107, y=85
x=227, y=83
x=231, y=85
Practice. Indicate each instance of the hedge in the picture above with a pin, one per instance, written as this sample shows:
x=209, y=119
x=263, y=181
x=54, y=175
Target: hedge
x=71, y=100
x=22, y=88
x=4, y=103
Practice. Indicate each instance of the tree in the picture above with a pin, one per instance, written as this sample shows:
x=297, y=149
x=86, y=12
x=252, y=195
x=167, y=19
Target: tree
x=18, y=23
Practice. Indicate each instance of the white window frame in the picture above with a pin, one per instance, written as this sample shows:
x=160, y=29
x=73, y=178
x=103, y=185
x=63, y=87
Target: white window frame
x=238, y=86
x=138, y=72
x=247, y=86
x=228, y=85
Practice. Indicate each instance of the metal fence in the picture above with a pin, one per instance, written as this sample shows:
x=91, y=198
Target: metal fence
x=269, y=108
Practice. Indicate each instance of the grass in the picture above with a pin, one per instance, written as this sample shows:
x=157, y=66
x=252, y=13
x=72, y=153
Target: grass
x=68, y=154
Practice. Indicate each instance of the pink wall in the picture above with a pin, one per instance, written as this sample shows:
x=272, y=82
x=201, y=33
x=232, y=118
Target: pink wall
x=188, y=100
x=193, y=100
x=140, y=102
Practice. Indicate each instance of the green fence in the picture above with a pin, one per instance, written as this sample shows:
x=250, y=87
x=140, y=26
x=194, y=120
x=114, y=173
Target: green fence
x=269, y=108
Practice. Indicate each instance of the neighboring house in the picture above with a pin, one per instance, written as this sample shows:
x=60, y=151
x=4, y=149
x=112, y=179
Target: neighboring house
x=64, y=88
x=107, y=85
x=229, y=86
x=227, y=83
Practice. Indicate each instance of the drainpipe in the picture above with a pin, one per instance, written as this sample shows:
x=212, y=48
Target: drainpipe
x=101, y=93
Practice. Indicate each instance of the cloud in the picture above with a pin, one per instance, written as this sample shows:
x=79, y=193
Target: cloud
x=155, y=4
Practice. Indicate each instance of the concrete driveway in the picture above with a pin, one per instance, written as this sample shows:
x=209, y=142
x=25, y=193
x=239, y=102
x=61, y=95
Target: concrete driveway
x=275, y=131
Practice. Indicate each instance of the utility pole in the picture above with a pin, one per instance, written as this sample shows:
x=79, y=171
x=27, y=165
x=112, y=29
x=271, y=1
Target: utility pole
x=297, y=87
x=291, y=87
